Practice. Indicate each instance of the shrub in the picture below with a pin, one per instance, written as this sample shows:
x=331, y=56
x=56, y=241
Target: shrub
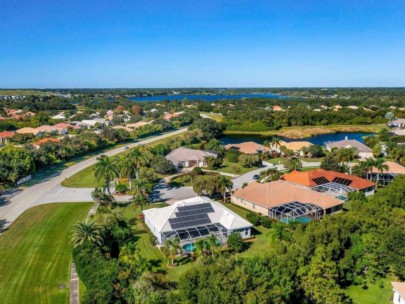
x=232, y=156
x=254, y=218
x=197, y=171
x=161, y=165
x=266, y=222
x=235, y=242
x=122, y=188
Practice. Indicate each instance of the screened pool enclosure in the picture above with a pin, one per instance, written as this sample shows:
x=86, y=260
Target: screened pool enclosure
x=296, y=211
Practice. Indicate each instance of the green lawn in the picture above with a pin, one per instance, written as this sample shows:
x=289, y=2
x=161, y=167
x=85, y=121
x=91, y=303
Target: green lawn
x=83, y=179
x=35, y=254
x=233, y=168
x=215, y=116
x=373, y=295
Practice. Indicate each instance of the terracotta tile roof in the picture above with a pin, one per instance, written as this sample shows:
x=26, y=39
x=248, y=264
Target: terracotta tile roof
x=46, y=140
x=277, y=108
x=279, y=192
x=393, y=168
x=6, y=134
x=248, y=147
x=28, y=130
x=61, y=125
x=307, y=178
x=139, y=124
x=295, y=145
x=400, y=288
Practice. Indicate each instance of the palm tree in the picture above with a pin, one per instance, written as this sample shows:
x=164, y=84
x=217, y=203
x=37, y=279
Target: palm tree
x=276, y=142
x=105, y=169
x=381, y=166
x=140, y=201
x=138, y=157
x=369, y=164
x=210, y=161
x=224, y=184
x=87, y=231
x=199, y=185
x=294, y=164
x=200, y=246
x=173, y=247
x=212, y=243
x=347, y=154
x=126, y=169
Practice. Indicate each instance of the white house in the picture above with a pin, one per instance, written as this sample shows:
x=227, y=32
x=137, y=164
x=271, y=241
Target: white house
x=399, y=292
x=187, y=158
x=364, y=151
x=195, y=218
x=397, y=123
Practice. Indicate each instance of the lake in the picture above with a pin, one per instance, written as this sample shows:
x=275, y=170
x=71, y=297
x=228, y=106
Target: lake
x=206, y=97
x=316, y=140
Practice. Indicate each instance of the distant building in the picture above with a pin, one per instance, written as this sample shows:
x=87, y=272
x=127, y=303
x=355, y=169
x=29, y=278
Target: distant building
x=52, y=129
x=334, y=183
x=5, y=136
x=248, y=147
x=193, y=219
x=363, y=150
x=138, y=124
x=187, y=158
x=388, y=175
x=397, y=123
x=400, y=132
x=42, y=141
x=286, y=201
x=295, y=146
x=169, y=116
x=399, y=292
x=27, y=130
x=60, y=116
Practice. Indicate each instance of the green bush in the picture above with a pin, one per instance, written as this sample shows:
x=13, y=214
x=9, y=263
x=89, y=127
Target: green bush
x=266, y=222
x=122, y=188
x=254, y=218
x=197, y=171
x=232, y=156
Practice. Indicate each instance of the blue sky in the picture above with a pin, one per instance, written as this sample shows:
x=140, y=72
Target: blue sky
x=235, y=43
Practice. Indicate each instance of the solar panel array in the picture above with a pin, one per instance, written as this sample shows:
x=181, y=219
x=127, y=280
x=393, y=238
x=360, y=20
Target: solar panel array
x=191, y=216
x=342, y=181
x=320, y=180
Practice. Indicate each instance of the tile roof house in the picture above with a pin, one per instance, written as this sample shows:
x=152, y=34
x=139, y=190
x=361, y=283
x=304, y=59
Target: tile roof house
x=295, y=146
x=139, y=124
x=168, y=116
x=27, y=130
x=387, y=176
x=248, y=147
x=42, y=141
x=52, y=129
x=187, y=158
x=330, y=181
x=364, y=151
x=5, y=136
x=397, y=123
x=281, y=199
x=207, y=217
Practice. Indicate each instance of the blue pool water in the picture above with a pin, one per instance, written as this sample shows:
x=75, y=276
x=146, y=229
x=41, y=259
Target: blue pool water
x=206, y=97
x=300, y=219
x=189, y=248
x=316, y=140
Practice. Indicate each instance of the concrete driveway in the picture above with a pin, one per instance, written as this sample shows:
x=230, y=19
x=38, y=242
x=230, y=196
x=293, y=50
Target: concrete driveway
x=49, y=190
x=164, y=192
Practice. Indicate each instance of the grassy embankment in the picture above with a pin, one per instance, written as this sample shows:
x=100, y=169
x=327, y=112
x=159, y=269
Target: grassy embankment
x=86, y=178
x=308, y=131
x=215, y=116
x=35, y=254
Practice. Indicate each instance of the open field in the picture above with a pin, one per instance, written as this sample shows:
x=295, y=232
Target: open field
x=309, y=131
x=35, y=254
x=215, y=116
x=23, y=93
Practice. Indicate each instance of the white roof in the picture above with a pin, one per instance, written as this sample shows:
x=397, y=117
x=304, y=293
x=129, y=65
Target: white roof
x=185, y=154
x=159, y=217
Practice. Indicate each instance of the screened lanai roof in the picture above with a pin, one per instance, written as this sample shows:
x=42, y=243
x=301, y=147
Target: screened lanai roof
x=195, y=232
x=295, y=210
x=334, y=189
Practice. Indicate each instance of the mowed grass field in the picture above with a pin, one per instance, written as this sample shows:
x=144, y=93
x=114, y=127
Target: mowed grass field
x=35, y=254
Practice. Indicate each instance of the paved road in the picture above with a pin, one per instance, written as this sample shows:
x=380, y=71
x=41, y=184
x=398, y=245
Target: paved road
x=50, y=190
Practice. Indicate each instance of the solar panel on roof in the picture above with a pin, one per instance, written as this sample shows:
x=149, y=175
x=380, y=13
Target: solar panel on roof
x=342, y=181
x=320, y=180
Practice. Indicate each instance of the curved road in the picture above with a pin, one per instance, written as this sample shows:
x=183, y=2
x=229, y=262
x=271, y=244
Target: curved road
x=50, y=190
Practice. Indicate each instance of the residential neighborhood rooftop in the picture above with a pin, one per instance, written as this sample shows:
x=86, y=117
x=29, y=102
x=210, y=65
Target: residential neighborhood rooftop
x=349, y=143
x=248, y=147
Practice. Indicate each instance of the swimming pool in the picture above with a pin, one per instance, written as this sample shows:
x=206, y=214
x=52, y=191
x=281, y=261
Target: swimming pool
x=298, y=219
x=189, y=248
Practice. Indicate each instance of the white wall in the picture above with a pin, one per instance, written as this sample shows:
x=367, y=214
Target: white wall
x=397, y=298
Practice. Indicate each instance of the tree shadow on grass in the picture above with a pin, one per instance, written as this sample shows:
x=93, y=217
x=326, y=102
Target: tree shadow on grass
x=3, y=225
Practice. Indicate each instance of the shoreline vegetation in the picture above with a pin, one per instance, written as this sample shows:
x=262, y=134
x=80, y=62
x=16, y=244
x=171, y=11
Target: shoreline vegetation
x=310, y=131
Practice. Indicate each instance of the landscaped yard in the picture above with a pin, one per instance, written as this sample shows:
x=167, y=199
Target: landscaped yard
x=234, y=168
x=86, y=178
x=35, y=254
x=215, y=116
x=374, y=294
